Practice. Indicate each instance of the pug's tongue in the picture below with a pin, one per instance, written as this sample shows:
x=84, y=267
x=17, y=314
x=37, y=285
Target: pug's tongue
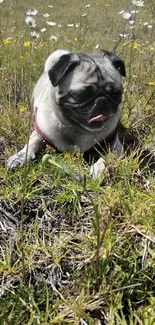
x=97, y=118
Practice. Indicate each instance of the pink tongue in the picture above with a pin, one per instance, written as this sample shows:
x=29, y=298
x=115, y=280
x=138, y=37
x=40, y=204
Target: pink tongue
x=100, y=117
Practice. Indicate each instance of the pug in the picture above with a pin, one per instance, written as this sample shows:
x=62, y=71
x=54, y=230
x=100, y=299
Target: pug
x=77, y=107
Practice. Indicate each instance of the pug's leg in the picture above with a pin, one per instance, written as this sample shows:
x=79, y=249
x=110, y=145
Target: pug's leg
x=34, y=146
x=97, y=168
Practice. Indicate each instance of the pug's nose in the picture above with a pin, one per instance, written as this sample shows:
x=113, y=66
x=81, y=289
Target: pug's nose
x=100, y=101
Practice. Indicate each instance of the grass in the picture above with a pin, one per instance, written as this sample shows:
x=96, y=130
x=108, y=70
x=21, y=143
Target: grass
x=74, y=250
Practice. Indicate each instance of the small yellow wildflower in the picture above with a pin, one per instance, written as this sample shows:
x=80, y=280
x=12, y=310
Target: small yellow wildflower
x=78, y=154
x=75, y=39
x=27, y=44
x=152, y=48
x=107, y=5
x=140, y=21
x=22, y=109
x=124, y=44
x=50, y=149
x=6, y=41
x=151, y=83
x=21, y=57
x=70, y=158
x=68, y=41
x=148, y=107
x=136, y=46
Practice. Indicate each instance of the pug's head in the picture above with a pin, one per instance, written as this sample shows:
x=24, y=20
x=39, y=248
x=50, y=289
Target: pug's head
x=87, y=87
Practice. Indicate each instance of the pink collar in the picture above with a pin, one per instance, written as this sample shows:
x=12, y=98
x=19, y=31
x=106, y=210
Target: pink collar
x=39, y=131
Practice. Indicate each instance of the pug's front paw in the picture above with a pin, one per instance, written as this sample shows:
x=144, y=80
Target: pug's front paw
x=97, y=168
x=16, y=160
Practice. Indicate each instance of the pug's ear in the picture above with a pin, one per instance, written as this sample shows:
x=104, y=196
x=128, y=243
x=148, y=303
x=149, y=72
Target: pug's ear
x=117, y=62
x=65, y=64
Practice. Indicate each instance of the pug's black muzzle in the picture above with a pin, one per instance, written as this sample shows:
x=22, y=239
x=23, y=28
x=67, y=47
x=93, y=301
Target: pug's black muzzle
x=103, y=106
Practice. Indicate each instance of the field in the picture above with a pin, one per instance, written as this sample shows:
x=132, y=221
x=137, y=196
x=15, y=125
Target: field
x=74, y=250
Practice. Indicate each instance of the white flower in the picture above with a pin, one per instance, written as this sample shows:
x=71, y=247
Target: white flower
x=43, y=30
x=70, y=25
x=50, y=6
x=121, y=12
x=59, y=25
x=138, y=3
x=134, y=11
x=53, y=38
x=77, y=25
x=87, y=6
x=31, y=12
x=145, y=24
x=46, y=15
x=84, y=15
x=30, y=21
x=126, y=15
x=1, y=1
x=34, y=34
x=97, y=46
x=149, y=26
x=131, y=22
x=51, y=23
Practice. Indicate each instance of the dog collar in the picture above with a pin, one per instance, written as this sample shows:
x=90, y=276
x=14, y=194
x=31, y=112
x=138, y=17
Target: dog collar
x=43, y=136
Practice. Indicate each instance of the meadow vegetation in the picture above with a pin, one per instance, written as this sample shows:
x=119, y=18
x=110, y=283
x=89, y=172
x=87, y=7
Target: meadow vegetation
x=74, y=250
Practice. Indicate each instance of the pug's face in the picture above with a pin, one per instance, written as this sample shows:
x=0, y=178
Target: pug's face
x=88, y=87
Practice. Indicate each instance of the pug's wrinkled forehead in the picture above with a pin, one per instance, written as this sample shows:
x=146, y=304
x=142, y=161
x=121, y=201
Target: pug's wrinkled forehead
x=73, y=71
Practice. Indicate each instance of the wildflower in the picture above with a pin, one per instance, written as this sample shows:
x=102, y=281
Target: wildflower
x=30, y=12
x=46, y=15
x=1, y=1
x=87, y=6
x=131, y=22
x=126, y=15
x=134, y=11
x=151, y=83
x=107, y=5
x=70, y=25
x=6, y=41
x=145, y=24
x=77, y=25
x=22, y=109
x=97, y=46
x=124, y=44
x=27, y=44
x=136, y=46
x=59, y=25
x=51, y=23
x=30, y=21
x=149, y=26
x=43, y=30
x=138, y=3
x=75, y=39
x=84, y=15
x=152, y=49
x=50, y=149
x=70, y=158
x=34, y=34
x=50, y=6
x=121, y=12
x=53, y=38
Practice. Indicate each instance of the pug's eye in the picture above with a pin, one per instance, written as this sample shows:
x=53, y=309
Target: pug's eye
x=81, y=95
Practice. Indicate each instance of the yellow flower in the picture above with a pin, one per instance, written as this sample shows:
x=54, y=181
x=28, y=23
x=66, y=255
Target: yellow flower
x=21, y=57
x=152, y=48
x=6, y=41
x=140, y=21
x=50, y=149
x=70, y=158
x=148, y=107
x=22, y=109
x=27, y=44
x=107, y=5
x=75, y=39
x=136, y=46
x=124, y=44
x=151, y=83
